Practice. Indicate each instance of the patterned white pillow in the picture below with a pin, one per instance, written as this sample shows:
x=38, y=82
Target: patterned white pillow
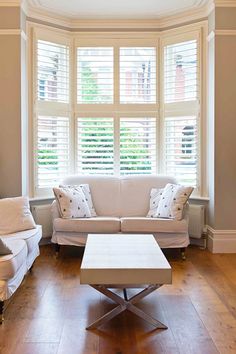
x=172, y=202
x=72, y=203
x=88, y=197
x=155, y=196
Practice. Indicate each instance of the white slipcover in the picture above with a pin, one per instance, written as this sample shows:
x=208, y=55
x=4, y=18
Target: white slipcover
x=122, y=204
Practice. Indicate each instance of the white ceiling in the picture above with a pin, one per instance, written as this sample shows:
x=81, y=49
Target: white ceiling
x=116, y=9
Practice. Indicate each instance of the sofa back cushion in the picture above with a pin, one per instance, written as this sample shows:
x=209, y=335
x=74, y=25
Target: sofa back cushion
x=135, y=193
x=121, y=197
x=105, y=191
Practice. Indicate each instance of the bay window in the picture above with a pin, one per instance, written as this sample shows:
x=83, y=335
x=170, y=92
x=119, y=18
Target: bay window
x=116, y=107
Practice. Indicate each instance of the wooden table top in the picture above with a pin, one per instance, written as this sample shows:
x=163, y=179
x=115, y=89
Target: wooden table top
x=127, y=259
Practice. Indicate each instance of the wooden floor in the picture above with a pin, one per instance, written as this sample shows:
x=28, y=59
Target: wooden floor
x=50, y=311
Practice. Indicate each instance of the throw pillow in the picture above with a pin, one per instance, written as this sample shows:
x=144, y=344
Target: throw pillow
x=155, y=196
x=72, y=203
x=172, y=202
x=15, y=215
x=88, y=197
x=4, y=250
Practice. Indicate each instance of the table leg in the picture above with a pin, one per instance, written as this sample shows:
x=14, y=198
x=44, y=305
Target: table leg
x=126, y=304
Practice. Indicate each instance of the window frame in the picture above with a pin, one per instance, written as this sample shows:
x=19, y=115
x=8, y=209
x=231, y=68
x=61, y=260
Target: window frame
x=74, y=110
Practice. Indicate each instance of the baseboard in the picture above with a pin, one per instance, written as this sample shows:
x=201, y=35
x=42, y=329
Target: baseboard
x=221, y=241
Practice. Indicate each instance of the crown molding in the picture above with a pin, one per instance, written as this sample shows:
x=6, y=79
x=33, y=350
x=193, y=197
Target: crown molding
x=195, y=14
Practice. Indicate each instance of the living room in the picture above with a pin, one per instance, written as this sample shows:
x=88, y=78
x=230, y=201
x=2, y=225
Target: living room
x=114, y=96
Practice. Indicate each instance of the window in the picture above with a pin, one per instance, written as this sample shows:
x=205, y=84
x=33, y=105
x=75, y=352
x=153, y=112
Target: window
x=117, y=107
x=181, y=98
x=52, y=150
x=137, y=145
x=137, y=75
x=52, y=139
x=53, y=72
x=95, y=141
x=95, y=75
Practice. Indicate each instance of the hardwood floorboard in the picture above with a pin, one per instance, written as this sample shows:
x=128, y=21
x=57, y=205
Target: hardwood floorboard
x=50, y=311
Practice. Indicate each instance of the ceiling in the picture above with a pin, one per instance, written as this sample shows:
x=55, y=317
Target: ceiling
x=115, y=9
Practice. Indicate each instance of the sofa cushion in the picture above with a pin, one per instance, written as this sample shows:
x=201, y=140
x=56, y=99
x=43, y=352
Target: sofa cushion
x=105, y=192
x=10, y=264
x=135, y=193
x=98, y=224
x=144, y=224
x=31, y=237
x=15, y=215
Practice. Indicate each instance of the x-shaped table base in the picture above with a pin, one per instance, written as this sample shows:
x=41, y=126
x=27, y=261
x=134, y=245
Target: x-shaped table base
x=126, y=304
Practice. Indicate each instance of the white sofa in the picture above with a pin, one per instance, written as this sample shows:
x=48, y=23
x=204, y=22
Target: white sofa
x=13, y=267
x=121, y=205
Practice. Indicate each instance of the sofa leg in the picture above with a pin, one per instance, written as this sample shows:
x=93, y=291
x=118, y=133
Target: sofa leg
x=57, y=249
x=1, y=311
x=182, y=251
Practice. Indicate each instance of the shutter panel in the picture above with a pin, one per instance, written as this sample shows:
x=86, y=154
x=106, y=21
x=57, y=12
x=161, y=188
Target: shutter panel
x=95, y=145
x=95, y=75
x=137, y=145
x=52, y=72
x=137, y=75
x=181, y=149
x=181, y=72
x=52, y=150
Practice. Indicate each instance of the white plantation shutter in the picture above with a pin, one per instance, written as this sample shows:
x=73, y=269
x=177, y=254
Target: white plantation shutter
x=52, y=72
x=52, y=150
x=137, y=145
x=181, y=149
x=95, y=75
x=95, y=145
x=181, y=71
x=138, y=75
x=181, y=103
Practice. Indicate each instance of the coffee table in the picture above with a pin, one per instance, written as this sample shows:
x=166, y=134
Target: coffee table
x=124, y=261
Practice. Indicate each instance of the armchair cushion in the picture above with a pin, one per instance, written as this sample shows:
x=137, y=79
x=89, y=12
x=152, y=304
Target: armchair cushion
x=15, y=215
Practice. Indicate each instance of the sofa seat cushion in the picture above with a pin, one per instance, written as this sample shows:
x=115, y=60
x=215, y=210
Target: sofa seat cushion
x=31, y=237
x=11, y=263
x=97, y=224
x=144, y=224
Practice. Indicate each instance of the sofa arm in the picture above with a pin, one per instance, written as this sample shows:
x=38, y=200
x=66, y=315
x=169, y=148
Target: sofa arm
x=54, y=210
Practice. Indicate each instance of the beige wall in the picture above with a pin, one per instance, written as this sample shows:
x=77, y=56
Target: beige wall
x=11, y=61
x=225, y=132
x=222, y=122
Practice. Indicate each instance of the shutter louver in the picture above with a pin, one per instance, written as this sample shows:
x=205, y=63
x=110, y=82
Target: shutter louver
x=181, y=142
x=137, y=75
x=137, y=145
x=95, y=75
x=95, y=153
x=181, y=72
x=53, y=72
x=52, y=150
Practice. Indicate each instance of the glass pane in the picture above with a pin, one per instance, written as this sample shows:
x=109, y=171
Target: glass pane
x=95, y=75
x=52, y=72
x=137, y=75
